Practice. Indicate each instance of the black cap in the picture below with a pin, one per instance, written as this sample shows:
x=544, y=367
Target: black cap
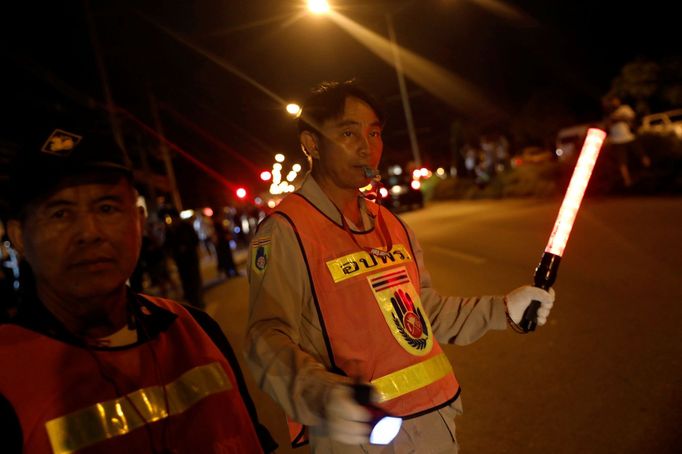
x=54, y=154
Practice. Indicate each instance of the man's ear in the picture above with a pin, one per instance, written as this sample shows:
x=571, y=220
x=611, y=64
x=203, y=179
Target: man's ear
x=310, y=143
x=16, y=235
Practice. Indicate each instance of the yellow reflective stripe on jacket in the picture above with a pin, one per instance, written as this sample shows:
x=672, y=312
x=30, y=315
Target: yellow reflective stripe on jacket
x=116, y=417
x=412, y=377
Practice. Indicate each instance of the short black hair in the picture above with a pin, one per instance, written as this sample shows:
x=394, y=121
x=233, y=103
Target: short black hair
x=328, y=101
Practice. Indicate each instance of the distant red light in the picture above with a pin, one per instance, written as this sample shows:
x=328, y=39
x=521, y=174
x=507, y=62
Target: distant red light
x=241, y=193
x=208, y=212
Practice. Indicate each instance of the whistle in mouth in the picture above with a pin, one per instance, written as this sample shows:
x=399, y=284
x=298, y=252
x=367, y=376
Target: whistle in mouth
x=371, y=172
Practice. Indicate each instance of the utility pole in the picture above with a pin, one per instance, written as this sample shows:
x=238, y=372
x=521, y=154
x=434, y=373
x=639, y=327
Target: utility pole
x=403, y=91
x=165, y=155
x=104, y=79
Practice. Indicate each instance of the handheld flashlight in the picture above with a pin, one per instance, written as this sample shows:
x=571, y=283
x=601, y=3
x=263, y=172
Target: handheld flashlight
x=384, y=427
x=546, y=272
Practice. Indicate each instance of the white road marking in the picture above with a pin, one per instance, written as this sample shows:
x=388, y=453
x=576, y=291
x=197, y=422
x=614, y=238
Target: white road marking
x=458, y=255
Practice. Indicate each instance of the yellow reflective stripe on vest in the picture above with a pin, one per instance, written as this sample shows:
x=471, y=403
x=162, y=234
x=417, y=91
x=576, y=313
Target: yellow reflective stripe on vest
x=116, y=417
x=412, y=377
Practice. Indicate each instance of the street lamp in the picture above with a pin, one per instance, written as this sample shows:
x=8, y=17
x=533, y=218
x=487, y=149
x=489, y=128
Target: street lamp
x=322, y=7
x=294, y=109
x=407, y=109
x=279, y=157
x=319, y=6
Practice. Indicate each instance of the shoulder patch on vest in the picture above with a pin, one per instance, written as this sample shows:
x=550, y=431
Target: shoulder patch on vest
x=260, y=254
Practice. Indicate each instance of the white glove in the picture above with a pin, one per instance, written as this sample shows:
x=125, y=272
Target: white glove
x=519, y=299
x=347, y=421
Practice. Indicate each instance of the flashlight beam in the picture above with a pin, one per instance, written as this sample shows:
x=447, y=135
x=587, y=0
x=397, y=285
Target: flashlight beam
x=215, y=59
x=196, y=162
x=443, y=84
x=209, y=137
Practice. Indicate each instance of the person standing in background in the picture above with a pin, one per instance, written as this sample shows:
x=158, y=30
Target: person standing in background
x=621, y=140
x=183, y=243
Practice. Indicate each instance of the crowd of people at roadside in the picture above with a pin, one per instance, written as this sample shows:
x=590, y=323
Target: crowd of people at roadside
x=170, y=241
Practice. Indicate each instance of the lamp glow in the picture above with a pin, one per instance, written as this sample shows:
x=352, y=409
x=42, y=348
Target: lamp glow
x=294, y=109
x=279, y=157
x=318, y=6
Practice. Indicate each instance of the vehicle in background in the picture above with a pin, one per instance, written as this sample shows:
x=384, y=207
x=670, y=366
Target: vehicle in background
x=569, y=140
x=663, y=123
x=402, y=193
x=532, y=155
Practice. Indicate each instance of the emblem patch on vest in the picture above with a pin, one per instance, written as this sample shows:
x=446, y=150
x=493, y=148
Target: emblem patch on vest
x=260, y=253
x=402, y=309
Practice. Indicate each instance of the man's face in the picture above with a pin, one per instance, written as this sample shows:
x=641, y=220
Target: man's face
x=349, y=143
x=83, y=241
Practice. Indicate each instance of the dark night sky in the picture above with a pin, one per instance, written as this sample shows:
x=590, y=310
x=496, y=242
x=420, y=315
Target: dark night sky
x=573, y=47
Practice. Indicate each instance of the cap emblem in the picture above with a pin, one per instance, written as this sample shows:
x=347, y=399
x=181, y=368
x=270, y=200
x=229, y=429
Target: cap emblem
x=61, y=143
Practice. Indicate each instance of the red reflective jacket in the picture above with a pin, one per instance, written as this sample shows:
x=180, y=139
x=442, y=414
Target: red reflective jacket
x=70, y=398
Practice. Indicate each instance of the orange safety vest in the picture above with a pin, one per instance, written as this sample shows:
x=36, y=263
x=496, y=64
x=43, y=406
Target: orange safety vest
x=373, y=323
x=67, y=402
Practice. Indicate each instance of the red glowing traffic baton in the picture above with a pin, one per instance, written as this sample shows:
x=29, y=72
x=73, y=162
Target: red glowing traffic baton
x=545, y=273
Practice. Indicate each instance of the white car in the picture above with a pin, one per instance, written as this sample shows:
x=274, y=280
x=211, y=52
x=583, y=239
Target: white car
x=569, y=140
x=663, y=123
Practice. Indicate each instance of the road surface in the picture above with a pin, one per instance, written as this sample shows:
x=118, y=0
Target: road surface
x=603, y=376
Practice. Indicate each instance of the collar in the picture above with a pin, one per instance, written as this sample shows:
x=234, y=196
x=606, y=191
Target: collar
x=315, y=195
x=150, y=319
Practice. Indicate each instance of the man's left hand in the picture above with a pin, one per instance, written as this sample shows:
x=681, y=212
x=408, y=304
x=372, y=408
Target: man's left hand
x=519, y=299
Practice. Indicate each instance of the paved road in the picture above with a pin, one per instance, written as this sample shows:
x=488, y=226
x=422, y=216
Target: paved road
x=605, y=374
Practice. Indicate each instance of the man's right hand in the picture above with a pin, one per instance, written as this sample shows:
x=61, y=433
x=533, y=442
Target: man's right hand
x=347, y=421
